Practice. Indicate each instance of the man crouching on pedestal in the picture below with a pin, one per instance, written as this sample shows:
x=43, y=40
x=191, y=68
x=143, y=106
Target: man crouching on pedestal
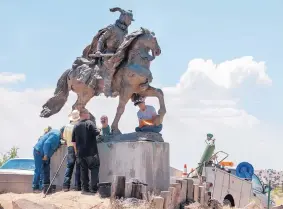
x=148, y=118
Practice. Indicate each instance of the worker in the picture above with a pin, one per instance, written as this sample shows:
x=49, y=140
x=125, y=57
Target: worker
x=42, y=152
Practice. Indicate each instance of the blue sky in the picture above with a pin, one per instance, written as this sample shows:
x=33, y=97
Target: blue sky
x=42, y=38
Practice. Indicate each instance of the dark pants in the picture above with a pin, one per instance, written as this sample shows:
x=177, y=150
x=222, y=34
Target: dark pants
x=71, y=163
x=46, y=172
x=155, y=129
x=91, y=163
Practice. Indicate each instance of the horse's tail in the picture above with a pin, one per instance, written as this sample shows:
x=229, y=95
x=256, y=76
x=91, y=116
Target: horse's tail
x=62, y=83
x=55, y=103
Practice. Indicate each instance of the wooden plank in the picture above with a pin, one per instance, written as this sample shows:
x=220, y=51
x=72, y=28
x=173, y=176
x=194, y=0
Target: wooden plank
x=172, y=191
x=201, y=192
x=190, y=189
x=143, y=191
x=183, y=192
x=128, y=189
x=166, y=196
x=137, y=191
x=158, y=202
x=196, y=192
x=177, y=194
x=118, y=185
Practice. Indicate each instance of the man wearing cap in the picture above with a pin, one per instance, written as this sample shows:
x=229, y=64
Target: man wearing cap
x=107, y=41
x=42, y=152
x=85, y=145
x=74, y=117
x=148, y=118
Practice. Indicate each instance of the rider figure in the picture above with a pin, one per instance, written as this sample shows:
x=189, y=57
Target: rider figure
x=107, y=41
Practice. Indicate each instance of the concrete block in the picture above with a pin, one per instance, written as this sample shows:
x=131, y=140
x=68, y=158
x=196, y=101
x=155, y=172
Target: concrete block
x=16, y=183
x=146, y=161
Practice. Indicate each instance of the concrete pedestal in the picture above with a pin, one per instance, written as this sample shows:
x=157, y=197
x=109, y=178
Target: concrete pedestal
x=146, y=161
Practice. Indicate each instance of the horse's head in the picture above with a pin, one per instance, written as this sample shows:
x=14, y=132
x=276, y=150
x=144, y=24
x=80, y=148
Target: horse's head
x=149, y=40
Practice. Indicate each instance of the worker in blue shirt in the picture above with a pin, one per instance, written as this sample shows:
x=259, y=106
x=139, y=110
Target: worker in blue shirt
x=42, y=152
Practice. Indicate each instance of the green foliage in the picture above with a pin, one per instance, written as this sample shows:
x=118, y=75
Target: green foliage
x=13, y=153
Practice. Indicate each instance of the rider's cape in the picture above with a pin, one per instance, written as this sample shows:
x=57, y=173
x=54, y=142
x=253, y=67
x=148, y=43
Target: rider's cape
x=91, y=48
x=121, y=52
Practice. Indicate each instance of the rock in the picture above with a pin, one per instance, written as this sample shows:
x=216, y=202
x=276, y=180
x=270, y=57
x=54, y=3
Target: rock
x=25, y=204
x=132, y=137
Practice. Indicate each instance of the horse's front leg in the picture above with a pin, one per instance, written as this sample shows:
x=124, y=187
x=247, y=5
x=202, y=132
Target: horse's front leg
x=124, y=97
x=155, y=92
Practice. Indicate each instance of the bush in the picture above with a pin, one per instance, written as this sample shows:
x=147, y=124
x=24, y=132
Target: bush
x=13, y=153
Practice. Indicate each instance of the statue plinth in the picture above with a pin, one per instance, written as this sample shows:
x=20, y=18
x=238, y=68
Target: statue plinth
x=133, y=137
x=144, y=160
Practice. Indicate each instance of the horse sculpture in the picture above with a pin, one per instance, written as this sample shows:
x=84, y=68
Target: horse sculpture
x=132, y=75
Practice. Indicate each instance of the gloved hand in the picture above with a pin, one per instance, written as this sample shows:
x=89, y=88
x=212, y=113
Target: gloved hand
x=45, y=158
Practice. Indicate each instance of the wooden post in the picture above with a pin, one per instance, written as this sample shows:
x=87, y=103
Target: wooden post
x=201, y=192
x=190, y=189
x=137, y=191
x=144, y=193
x=183, y=192
x=172, y=191
x=128, y=189
x=177, y=194
x=196, y=192
x=158, y=202
x=166, y=196
x=118, y=186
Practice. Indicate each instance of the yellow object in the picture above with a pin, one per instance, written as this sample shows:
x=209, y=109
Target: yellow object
x=146, y=123
x=67, y=134
x=227, y=163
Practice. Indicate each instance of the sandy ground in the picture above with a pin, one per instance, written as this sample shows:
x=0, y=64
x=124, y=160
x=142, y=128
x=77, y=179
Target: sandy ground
x=65, y=200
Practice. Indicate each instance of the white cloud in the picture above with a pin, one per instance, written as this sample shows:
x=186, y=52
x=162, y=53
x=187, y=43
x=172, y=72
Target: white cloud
x=201, y=102
x=7, y=77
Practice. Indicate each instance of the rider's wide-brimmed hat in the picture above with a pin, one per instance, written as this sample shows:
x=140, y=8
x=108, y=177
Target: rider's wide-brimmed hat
x=74, y=115
x=128, y=13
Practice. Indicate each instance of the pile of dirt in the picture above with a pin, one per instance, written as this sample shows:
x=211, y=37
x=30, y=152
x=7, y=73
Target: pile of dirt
x=62, y=200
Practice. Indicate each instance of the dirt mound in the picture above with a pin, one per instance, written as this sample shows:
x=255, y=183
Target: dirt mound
x=64, y=200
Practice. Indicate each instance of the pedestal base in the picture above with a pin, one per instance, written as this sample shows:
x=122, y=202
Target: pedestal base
x=146, y=161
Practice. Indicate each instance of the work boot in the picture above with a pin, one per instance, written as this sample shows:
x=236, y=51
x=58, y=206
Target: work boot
x=45, y=187
x=66, y=189
x=36, y=191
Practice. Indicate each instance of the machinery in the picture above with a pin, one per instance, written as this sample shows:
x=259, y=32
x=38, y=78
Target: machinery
x=232, y=187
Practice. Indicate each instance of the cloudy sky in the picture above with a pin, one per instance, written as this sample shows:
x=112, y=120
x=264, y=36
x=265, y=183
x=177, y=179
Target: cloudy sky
x=220, y=69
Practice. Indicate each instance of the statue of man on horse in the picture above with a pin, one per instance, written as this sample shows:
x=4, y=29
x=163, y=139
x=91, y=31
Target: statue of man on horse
x=106, y=42
x=126, y=71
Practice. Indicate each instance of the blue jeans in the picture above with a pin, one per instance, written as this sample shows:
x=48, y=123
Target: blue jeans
x=155, y=129
x=71, y=162
x=38, y=171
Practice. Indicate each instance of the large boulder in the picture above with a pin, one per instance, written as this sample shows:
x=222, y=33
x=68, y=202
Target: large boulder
x=25, y=204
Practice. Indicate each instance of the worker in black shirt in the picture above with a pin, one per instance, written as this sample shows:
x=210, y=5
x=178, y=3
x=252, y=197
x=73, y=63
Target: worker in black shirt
x=84, y=141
